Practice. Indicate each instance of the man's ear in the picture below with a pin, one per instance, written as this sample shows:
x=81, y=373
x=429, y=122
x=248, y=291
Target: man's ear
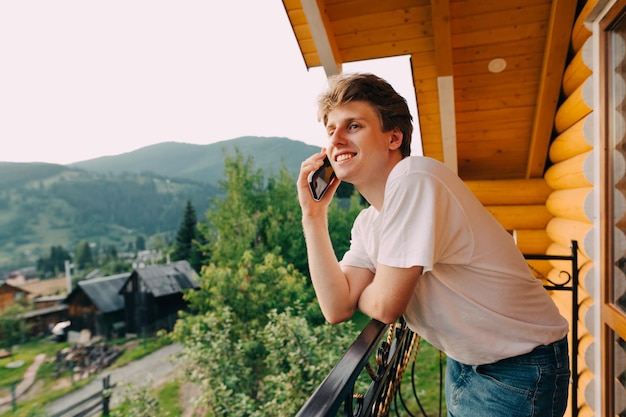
x=395, y=139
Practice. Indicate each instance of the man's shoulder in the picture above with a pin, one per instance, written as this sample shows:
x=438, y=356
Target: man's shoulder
x=420, y=165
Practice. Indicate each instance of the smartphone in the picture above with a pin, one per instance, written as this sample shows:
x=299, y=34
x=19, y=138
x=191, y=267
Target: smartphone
x=321, y=179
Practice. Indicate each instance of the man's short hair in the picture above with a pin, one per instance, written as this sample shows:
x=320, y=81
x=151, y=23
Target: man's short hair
x=391, y=107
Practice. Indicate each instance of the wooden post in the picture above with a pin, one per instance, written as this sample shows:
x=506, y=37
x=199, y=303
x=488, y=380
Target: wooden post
x=13, y=398
x=106, y=395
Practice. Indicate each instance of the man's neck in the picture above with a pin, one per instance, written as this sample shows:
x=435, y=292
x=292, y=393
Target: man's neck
x=374, y=192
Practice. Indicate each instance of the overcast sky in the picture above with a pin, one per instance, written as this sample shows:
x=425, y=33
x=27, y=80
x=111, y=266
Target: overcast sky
x=83, y=79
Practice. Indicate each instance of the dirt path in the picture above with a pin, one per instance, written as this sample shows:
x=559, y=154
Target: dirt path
x=27, y=382
x=158, y=366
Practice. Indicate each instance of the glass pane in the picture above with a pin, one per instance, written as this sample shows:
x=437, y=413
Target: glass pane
x=617, y=137
x=619, y=388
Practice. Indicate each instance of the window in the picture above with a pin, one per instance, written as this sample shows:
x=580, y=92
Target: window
x=613, y=76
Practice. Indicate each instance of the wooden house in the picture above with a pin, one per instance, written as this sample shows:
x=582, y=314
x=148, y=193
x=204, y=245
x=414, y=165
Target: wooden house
x=154, y=295
x=97, y=305
x=40, y=320
x=524, y=100
x=11, y=295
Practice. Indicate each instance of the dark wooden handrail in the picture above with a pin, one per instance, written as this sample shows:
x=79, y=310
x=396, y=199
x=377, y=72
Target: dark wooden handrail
x=339, y=384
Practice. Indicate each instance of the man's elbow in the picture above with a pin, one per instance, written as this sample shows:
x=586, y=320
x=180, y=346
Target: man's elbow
x=336, y=317
x=388, y=318
x=387, y=315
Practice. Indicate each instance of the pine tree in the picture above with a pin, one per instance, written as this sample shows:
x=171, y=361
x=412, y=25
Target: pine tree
x=184, y=245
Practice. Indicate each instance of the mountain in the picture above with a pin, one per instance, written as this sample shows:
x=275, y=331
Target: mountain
x=111, y=200
x=204, y=163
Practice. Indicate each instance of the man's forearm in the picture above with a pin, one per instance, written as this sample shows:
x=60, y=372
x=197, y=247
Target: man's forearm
x=331, y=284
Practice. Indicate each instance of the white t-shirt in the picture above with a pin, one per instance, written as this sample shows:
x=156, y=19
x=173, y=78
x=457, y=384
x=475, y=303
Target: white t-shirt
x=477, y=299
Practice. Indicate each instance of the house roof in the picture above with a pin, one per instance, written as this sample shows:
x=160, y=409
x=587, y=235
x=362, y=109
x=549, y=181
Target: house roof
x=13, y=287
x=167, y=279
x=45, y=311
x=103, y=292
x=487, y=74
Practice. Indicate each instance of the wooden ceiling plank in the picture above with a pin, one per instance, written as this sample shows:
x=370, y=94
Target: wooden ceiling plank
x=495, y=19
x=479, y=126
x=323, y=36
x=384, y=50
x=507, y=100
x=509, y=114
x=520, y=134
x=346, y=9
x=386, y=34
x=461, y=8
x=495, y=91
x=392, y=18
x=499, y=49
x=561, y=23
x=503, y=34
x=505, y=77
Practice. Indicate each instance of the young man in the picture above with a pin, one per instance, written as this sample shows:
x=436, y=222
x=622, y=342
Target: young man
x=426, y=249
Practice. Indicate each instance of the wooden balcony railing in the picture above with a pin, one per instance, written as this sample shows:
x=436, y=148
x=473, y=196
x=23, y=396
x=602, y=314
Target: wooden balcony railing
x=392, y=356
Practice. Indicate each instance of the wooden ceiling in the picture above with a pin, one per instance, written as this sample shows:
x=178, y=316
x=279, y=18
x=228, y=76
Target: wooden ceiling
x=487, y=73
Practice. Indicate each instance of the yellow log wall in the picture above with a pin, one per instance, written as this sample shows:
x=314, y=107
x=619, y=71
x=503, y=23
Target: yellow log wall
x=569, y=177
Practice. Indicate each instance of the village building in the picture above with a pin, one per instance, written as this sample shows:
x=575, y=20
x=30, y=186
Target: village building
x=96, y=305
x=11, y=295
x=153, y=296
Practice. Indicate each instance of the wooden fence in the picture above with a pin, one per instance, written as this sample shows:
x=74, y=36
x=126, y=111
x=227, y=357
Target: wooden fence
x=90, y=406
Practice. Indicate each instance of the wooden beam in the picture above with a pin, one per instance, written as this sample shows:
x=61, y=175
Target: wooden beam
x=562, y=16
x=521, y=217
x=440, y=12
x=323, y=36
x=510, y=192
x=442, y=38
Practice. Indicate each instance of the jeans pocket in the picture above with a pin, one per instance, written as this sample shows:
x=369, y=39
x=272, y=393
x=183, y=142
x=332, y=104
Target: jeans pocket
x=515, y=378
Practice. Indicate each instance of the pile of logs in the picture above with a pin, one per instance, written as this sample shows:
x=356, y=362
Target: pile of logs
x=86, y=360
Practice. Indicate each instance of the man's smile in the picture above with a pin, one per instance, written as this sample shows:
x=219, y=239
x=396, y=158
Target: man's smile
x=344, y=156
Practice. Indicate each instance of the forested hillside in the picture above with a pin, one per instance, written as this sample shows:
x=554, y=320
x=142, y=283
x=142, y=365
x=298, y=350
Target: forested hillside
x=204, y=163
x=112, y=200
x=45, y=205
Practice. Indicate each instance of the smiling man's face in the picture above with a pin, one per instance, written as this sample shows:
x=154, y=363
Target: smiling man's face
x=358, y=148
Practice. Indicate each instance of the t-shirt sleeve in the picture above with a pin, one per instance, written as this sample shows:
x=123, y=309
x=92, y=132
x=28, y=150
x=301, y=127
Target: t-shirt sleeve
x=422, y=224
x=357, y=254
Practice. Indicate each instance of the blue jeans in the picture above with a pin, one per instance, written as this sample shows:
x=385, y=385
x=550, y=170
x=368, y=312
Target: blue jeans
x=535, y=384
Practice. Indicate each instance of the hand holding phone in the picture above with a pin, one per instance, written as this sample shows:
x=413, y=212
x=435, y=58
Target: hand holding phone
x=320, y=180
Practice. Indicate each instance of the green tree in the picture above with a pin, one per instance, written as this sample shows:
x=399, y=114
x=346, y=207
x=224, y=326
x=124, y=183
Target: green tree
x=140, y=243
x=83, y=257
x=252, y=348
x=234, y=220
x=55, y=263
x=185, y=244
x=12, y=326
x=264, y=216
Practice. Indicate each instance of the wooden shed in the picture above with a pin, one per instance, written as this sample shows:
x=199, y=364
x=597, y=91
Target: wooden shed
x=524, y=100
x=10, y=295
x=97, y=305
x=154, y=295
